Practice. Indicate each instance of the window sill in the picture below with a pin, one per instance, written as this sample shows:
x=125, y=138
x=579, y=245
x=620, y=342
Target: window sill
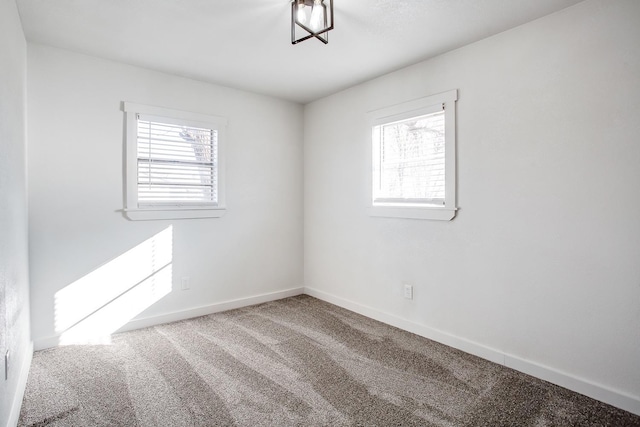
x=414, y=212
x=157, y=214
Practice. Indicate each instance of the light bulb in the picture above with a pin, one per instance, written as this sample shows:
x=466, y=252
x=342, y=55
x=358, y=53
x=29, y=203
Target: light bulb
x=301, y=14
x=316, y=22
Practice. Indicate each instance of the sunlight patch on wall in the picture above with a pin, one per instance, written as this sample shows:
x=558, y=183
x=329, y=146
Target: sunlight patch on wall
x=93, y=307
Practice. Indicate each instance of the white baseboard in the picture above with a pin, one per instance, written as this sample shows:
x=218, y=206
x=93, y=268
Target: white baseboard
x=139, y=323
x=16, y=405
x=46, y=342
x=596, y=391
x=144, y=322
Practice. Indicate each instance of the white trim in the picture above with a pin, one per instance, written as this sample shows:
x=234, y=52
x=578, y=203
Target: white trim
x=406, y=109
x=472, y=347
x=596, y=391
x=401, y=112
x=16, y=405
x=143, y=322
x=160, y=213
x=430, y=104
x=132, y=210
x=422, y=212
x=46, y=342
x=131, y=165
x=130, y=107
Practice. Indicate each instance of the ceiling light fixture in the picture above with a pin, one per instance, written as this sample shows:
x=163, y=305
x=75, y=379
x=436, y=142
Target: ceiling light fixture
x=312, y=18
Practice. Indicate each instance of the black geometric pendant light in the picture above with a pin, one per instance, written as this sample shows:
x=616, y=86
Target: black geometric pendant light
x=311, y=18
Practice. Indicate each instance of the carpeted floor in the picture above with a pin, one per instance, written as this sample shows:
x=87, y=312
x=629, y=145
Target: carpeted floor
x=293, y=362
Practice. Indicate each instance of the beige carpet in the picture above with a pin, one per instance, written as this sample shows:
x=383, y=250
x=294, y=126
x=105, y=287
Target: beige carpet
x=293, y=362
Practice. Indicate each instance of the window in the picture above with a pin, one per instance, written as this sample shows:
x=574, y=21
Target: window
x=174, y=164
x=413, y=159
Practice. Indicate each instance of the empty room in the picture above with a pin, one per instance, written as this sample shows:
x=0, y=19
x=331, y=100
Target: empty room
x=320, y=213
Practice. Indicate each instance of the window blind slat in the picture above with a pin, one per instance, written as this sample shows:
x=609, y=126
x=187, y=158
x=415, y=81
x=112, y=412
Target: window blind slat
x=176, y=163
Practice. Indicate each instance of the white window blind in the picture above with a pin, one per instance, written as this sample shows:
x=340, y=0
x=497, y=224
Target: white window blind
x=409, y=160
x=177, y=164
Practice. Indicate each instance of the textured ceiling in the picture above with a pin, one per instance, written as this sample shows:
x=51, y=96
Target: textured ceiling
x=246, y=43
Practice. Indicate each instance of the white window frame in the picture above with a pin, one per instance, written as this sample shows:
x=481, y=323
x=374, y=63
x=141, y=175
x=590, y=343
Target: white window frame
x=406, y=110
x=132, y=208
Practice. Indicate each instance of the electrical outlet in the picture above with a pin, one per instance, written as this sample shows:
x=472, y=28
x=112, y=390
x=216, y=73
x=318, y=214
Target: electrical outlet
x=6, y=365
x=185, y=284
x=408, y=291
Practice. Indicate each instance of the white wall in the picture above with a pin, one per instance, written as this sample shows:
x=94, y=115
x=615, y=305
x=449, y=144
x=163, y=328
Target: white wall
x=14, y=269
x=541, y=266
x=76, y=128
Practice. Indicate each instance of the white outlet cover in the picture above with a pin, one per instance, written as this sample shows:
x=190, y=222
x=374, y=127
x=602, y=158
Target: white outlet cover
x=408, y=291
